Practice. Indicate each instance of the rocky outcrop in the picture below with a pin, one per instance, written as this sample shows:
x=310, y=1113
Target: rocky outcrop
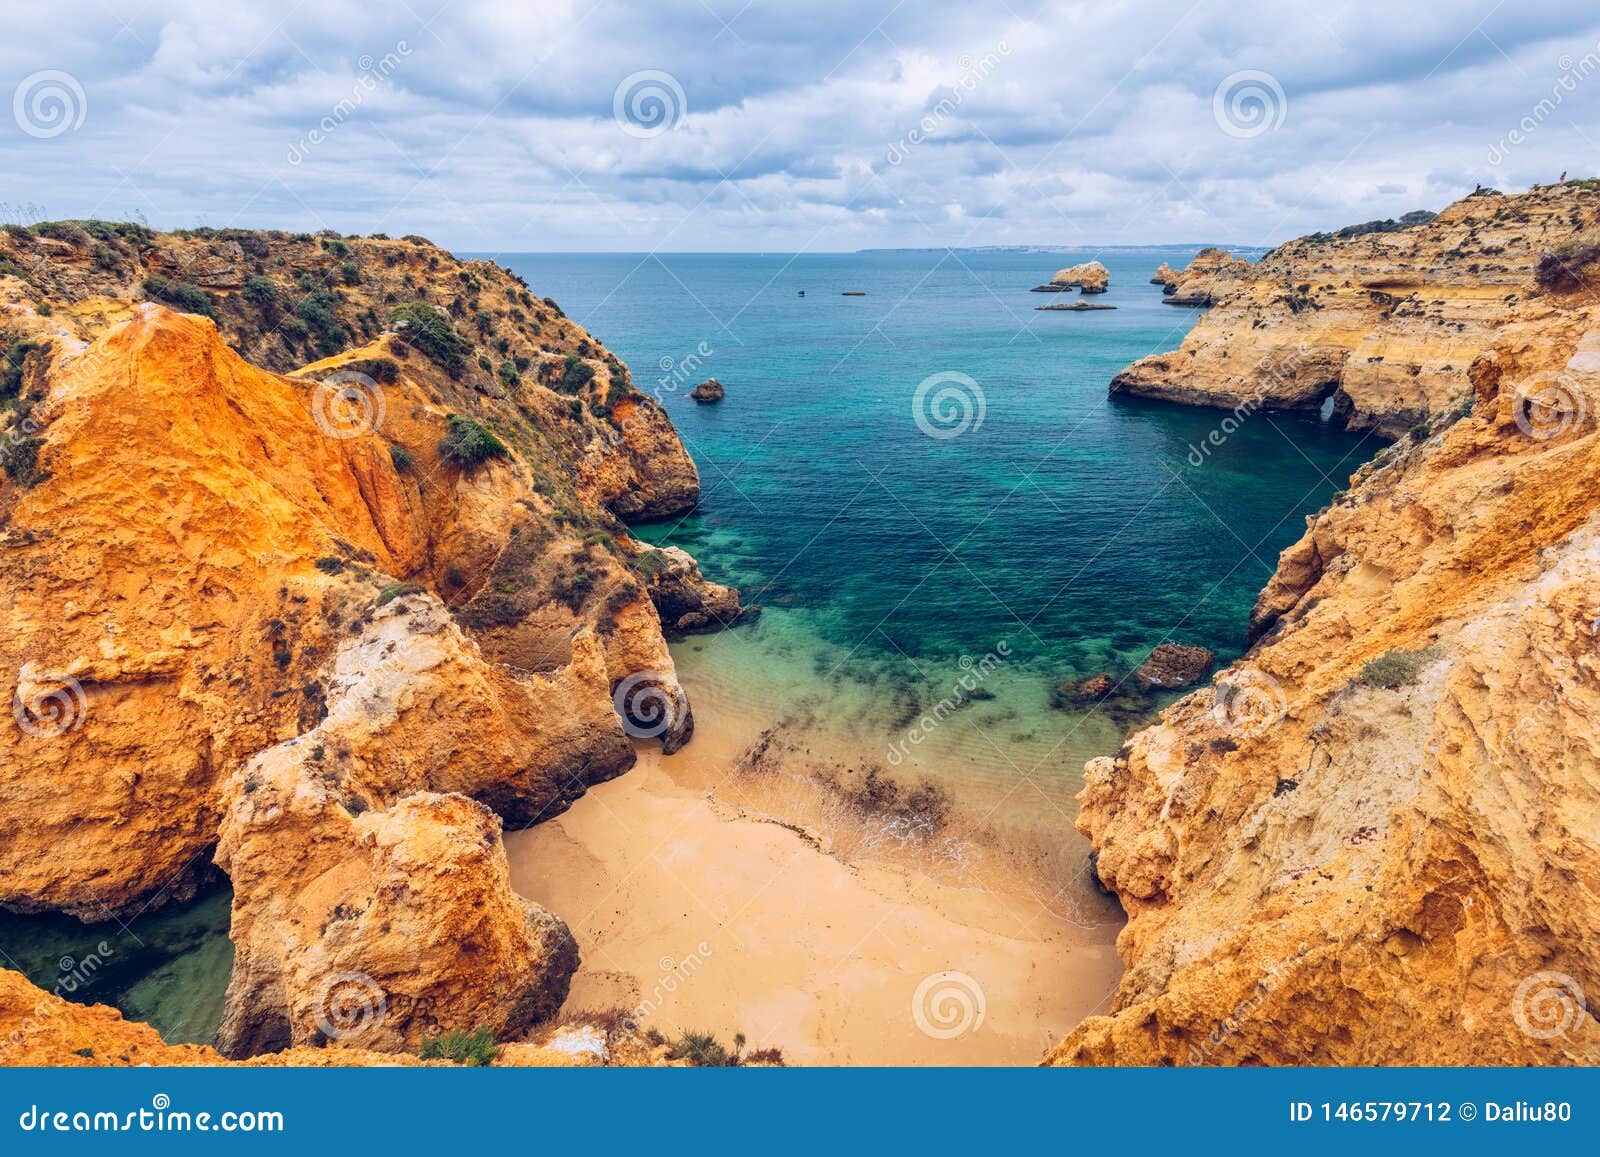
x=1371, y=840
x=1174, y=665
x=1384, y=323
x=709, y=390
x=686, y=601
x=1210, y=274
x=1090, y=277
x=348, y=619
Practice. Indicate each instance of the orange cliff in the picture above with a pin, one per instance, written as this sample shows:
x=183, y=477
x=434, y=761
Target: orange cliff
x=1372, y=840
x=326, y=629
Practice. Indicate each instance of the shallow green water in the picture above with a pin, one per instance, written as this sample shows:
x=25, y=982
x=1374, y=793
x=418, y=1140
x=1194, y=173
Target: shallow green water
x=168, y=967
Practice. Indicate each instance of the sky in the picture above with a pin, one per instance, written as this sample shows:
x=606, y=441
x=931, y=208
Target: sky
x=700, y=125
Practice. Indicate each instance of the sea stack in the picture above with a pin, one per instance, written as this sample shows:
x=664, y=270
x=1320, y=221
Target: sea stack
x=708, y=391
x=1090, y=277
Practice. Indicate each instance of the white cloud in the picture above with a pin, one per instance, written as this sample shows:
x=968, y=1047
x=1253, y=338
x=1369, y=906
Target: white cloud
x=494, y=130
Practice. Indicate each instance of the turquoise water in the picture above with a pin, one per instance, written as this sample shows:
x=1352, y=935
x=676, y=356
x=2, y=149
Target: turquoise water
x=1074, y=529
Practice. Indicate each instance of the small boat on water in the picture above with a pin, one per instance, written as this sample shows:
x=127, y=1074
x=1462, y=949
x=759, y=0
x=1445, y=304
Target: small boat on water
x=854, y=293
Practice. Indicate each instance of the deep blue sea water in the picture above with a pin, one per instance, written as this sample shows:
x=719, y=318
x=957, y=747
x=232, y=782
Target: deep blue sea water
x=1074, y=528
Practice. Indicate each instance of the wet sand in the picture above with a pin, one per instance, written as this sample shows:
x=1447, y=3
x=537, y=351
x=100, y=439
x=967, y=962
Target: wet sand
x=701, y=915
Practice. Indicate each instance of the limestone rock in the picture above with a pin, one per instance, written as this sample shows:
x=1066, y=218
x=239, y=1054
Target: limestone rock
x=1173, y=665
x=709, y=390
x=1385, y=324
x=1090, y=277
x=1326, y=866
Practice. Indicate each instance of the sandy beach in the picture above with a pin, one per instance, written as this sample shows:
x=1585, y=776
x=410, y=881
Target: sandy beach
x=702, y=915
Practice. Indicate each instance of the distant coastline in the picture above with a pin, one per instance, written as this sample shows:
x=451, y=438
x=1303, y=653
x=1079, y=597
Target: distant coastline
x=1253, y=250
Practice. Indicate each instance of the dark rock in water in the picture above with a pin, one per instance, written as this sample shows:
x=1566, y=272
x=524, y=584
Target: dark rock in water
x=1090, y=690
x=709, y=390
x=1076, y=306
x=1172, y=665
x=1052, y=287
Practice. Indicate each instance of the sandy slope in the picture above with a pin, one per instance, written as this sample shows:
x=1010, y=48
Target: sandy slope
x=712, y=919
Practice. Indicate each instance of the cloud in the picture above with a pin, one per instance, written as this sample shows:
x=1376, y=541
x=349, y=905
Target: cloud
x=830, y=125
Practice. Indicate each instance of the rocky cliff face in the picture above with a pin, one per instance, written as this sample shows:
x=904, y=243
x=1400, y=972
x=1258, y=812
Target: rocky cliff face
x=343, y=620
x=1384, y=323
x=1373, y=840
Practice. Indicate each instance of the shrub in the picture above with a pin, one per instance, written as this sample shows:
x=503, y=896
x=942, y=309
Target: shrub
x=1396, y=669
x=188, y=298
x=508, y=375
x=330, y=564
x=468, y=442
x=575, y=375
x=19, y=457
x=316, y=310
x=12, y=368
x=464, y=1048
x=428, y=331
x=1570, y=265
x=401, y=457
x=262, y=294
x=702, y=1050
x=395, y=591
x=351, y=273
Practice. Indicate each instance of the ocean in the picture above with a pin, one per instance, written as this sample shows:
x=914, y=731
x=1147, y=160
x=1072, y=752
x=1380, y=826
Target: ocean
x=931, y=480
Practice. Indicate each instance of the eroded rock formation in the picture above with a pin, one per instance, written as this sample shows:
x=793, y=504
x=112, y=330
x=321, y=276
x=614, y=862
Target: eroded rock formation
x=347, y=619
x=1384, y=323
x=1373, y=839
